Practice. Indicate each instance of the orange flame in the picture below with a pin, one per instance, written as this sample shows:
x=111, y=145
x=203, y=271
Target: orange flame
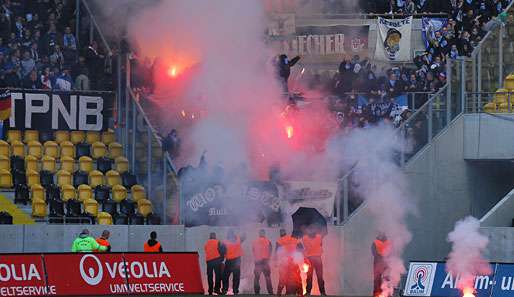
x=289, y=131
x=172, y=71
x=468, y=292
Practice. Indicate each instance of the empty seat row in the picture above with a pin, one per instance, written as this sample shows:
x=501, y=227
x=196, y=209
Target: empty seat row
x=49, y=163
x=64, y=149
x=74, y=137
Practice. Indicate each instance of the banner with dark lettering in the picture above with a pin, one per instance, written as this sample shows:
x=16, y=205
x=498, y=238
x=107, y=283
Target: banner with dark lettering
x=319, y=195
x=325, y=43
x=214, y=204
x=432, y=279
x=54, y=110
x=100, y=274
x=394, y=40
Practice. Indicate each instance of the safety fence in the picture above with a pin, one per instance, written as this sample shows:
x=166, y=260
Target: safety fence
x=65, y=274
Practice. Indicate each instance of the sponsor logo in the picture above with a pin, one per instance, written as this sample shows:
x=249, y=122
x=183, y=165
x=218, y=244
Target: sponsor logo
x=92, y=272
x=93, y=276
x=419, y=279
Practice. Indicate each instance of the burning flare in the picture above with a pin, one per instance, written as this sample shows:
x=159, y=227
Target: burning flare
x=468, y=292
x=289, y=132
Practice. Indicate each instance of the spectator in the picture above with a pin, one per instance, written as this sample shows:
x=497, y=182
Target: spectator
x=27, y=64
x=32, y=82
x=82, y=81
x=64, y=81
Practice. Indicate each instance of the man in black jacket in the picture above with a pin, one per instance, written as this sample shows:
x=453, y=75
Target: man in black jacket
x=284, y=69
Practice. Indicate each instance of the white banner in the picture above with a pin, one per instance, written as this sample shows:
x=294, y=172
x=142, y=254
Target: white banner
x=319, y=195
x=393, y=40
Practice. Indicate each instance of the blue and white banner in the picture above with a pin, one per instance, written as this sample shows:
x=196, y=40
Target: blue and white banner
x=432, y=279
x=429, y=27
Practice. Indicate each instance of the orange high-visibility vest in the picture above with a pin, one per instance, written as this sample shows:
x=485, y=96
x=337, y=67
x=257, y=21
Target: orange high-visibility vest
x=288, y=243
x=103, y=242
x=233, y=249
x=313, y=247
x=211, y=249
x=383, y=247
x=152, y=249
x=261, y=249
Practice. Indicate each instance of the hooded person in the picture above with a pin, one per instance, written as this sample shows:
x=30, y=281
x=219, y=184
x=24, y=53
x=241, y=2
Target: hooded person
x=85, y=243
x=152, y=245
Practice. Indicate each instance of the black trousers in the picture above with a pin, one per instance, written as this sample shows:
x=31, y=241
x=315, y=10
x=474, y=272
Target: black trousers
x=317, y=265
x=232, y=267
x=264, y=268
x=214, y=266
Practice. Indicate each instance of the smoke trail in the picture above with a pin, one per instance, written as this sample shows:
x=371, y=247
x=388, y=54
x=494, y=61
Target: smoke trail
x=382, y=184
x=466, y=259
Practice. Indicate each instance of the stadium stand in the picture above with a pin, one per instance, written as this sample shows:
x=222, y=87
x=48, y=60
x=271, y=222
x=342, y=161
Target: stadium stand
x=69, y=182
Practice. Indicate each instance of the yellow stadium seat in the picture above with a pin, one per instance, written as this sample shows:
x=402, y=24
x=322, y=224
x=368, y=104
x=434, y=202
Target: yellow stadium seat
x=17, y=148
x=31, y=163
x=63, y=178
x=91, y=207
x=119, y=193
x=98, y=150
x=35, y=149
x=138, y=192
x=115, y=150
x=68, y=164
x=84, y=192
x=31, y=135
x=39, y=209
x=92, y=136
x=144, y=207
x=67, y=149
x=5, y=162
x=48, y=164
x=61, y=136
x=37, y=192
x=5, y=179
x=4, y=148
x=113, y=178
x=77, y=137
x=13, y=135
x=96, y=178
x=490, y=107
x=85, y=164
x=509, y=82
x=122, y=164
x=108, y=137
x=504, y=107
x=51, y=149
x=68, y=193
x=104, y=218
x=32, y=177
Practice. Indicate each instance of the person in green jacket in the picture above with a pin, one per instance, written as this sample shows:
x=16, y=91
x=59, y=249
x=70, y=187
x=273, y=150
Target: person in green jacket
x=85, y=243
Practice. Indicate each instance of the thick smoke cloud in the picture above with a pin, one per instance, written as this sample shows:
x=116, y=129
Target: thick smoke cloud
x=466, y=258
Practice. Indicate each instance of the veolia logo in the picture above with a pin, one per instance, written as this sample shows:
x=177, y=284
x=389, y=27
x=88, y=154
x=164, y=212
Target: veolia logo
x=91, y=276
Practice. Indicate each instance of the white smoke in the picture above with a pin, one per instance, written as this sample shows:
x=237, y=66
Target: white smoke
x=466, y=259
x=382, y=184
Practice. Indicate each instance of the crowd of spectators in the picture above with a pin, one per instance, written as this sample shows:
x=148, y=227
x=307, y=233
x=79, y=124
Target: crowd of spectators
x=39, y=48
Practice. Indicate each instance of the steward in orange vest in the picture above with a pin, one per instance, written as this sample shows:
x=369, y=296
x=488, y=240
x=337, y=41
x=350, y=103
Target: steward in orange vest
x=214, y=254
x=262, y=248
x=152, y=245
x=232, y=261
x=104, y=240
x=313, y=249
x=380, y=249
x=285, y=249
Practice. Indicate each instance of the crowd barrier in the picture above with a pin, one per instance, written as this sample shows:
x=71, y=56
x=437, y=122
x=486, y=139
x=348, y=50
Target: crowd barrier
x=65, y=274
x=432, y=279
